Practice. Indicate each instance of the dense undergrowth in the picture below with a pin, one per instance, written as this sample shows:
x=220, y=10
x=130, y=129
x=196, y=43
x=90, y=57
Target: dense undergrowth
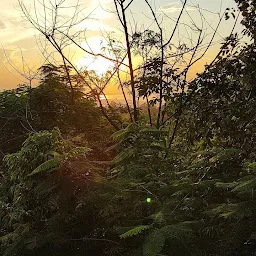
x=85, y=189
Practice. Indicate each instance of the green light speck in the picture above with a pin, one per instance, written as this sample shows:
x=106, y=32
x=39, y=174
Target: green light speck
x=148, y=200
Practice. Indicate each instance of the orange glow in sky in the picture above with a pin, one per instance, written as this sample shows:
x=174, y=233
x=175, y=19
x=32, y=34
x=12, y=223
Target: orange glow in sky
x=17, y=35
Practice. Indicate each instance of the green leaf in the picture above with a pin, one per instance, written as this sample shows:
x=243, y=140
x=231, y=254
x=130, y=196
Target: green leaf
x=158, y=217
x=154, y=243
x=246, y=186
x=158, y=146
x=135, y=231
x=46, y=166
x=224, y=210
x=226, y=186
x=16, y=245
x=122, y=134
x=252, y=166
x=124, y=155
x=180, y=230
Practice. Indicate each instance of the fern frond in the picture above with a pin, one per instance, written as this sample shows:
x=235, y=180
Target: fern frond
x=46, y=166
x=224, y=210
x=158, y=217
x=199, y=164
x=226, y=186
x=135, y=231
x=245, y=186
x=76, y=151
x=122, y=134
x=17, y=244
x=153, y=131
x=154, y=243
x=180, y=230
x=226, y=154
x=158, y=146
x=124, y=155
x=251, y=166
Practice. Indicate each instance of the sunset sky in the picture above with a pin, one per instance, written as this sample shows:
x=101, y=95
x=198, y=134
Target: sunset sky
x=18, y=38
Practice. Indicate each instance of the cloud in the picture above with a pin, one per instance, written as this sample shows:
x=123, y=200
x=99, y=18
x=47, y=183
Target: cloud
x=17, y=34
x=13, y=27
x=174, y=7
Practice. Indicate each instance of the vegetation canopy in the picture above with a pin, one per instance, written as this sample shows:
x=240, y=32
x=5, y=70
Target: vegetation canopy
x=169, y=171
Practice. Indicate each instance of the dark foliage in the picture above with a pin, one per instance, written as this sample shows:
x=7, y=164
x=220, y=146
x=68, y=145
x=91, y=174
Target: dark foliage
x=185, y=187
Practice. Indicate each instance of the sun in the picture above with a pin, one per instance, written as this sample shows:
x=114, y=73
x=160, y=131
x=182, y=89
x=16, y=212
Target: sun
x=99, y=64
x=102, y=97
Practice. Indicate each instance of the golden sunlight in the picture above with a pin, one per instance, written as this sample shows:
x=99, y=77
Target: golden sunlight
x=102, y=97
x=99, y=64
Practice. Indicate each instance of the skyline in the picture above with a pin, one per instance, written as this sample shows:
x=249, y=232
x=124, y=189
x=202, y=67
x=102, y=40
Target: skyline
x=18, y=38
